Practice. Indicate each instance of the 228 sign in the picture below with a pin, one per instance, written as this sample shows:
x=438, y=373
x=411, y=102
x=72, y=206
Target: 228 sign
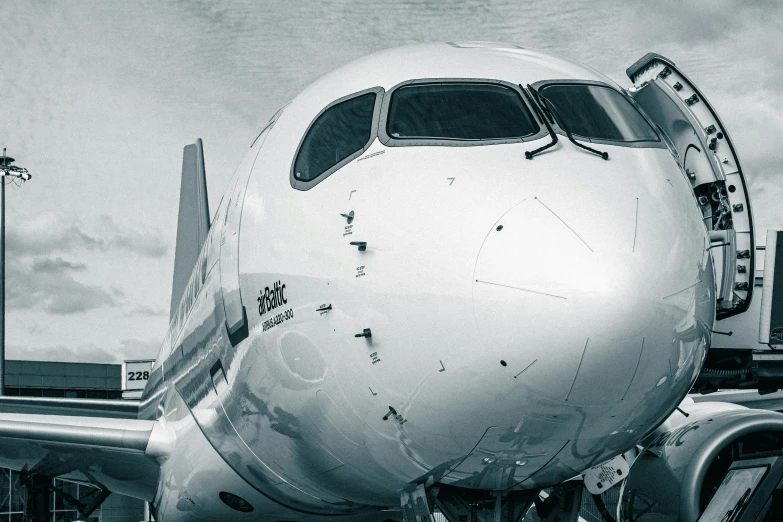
x=138, y=376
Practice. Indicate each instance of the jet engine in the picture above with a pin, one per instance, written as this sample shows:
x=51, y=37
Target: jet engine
x=715, y=462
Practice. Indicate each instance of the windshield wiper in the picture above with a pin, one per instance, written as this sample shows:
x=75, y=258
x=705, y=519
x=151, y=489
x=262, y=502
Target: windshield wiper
x=561, y=122
x=530, y=153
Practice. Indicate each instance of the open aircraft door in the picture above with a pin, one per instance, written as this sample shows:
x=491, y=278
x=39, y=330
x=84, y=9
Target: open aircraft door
x=707, y=156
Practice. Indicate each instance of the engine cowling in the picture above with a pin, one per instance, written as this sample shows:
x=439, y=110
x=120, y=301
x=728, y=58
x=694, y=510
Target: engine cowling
x=685, y=460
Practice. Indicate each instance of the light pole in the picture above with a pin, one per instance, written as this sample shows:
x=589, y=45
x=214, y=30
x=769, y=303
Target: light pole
x=6, y=171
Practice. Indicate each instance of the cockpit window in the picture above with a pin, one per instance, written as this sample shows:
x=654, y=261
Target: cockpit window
x=458, y=111
x=597, y=112
x=341, y=132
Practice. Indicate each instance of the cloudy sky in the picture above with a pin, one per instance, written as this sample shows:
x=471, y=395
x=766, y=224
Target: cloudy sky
x=98, y=99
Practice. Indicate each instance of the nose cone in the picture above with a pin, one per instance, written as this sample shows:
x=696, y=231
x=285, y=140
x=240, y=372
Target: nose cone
x=588, y=301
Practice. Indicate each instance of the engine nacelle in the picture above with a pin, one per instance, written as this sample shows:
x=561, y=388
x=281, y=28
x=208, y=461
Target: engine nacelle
x=686, y=459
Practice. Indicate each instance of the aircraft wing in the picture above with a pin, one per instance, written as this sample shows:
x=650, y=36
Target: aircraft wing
x=113, y=408
x=119, y=455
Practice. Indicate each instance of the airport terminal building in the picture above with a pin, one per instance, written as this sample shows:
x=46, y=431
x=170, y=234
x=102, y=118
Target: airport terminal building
x=69, y=380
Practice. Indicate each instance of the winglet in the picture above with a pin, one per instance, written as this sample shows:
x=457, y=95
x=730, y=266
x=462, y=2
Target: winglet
x=193, y=220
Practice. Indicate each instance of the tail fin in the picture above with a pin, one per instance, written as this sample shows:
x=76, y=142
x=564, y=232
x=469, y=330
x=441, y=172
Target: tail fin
x=193, y=220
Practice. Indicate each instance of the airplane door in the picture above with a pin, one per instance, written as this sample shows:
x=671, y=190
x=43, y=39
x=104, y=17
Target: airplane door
x=708, y=157
x=235, y=313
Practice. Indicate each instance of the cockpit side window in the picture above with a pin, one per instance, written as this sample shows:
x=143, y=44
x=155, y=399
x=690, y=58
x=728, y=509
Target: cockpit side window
x=598, y=113
x=458, y=111
x=339, y=134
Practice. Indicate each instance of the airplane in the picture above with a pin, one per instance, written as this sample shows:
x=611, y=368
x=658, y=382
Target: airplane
x=444, y=277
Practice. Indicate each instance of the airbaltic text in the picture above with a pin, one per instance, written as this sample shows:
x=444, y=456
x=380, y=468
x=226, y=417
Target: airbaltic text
x=271, y=298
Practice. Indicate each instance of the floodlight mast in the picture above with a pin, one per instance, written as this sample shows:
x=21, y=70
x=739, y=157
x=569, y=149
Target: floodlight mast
x=6, y=171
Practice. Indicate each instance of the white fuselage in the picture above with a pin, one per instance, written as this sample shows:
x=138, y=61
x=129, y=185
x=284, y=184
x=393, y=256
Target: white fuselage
x=529, y=318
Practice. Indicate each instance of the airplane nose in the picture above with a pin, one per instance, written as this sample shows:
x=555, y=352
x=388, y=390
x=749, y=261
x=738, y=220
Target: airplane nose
x=595, y=295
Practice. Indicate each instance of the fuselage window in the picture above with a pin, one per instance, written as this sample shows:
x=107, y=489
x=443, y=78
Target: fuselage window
x=458, y=111
x=597, y=112
x=341, y=131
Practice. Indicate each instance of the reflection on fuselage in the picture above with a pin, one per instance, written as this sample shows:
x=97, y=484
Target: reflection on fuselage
x=529, y=319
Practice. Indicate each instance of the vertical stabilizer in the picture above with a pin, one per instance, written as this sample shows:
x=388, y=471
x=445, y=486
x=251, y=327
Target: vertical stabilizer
x=193, y=220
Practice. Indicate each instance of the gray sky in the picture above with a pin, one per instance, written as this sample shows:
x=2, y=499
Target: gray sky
x=98, y=99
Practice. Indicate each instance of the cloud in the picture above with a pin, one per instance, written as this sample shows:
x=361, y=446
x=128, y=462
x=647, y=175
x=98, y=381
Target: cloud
x=689, y=22
x=127, y=349
x=56, y=265
x=766, y=193
x=148, y=243
x=48, y=233
x=52, y=288
x=138, y=349
x=146, y=311
x=38, y=280
x=756, y=128
x=75, y=298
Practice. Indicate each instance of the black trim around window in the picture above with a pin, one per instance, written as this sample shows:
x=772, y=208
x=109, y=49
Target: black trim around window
x=300, y=184
x=391, y=141
x=381, y=114
x=659, y=143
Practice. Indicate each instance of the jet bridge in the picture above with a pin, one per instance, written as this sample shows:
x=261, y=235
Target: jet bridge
x=747, y=349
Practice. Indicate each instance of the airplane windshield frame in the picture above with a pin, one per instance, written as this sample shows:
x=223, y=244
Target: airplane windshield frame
x=428, y=87
x=347, y=152
x=596, y=112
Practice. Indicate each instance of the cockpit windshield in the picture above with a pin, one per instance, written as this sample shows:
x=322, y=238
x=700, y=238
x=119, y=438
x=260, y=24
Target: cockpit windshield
x=597, y=112
x=459, y=111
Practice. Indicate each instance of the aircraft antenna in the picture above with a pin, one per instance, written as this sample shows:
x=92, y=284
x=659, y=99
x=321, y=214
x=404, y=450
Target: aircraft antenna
x=12, y=173
x=681, y=411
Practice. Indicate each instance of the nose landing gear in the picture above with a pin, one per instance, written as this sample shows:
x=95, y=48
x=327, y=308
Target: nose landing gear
x=467, y=505
x=561, y=505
